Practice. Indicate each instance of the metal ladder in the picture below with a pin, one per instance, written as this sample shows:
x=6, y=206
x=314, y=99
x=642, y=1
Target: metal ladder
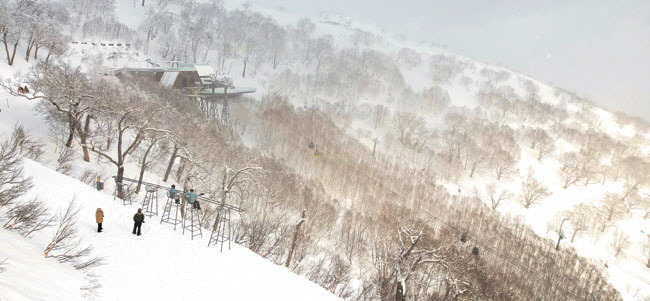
x=192, y=221
x=221, y=229
x=150, y=202
x=167, y=213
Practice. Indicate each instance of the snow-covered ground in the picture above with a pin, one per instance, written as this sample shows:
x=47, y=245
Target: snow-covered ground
x=628, y=274
x=162, y=264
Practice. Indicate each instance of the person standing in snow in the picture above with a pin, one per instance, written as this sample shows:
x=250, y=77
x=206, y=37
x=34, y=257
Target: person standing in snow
x=191, y=198
x=174, y=194
x=138, y=219
x=99, y=217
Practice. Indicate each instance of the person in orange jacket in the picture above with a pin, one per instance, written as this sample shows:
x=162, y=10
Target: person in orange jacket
x=99, y=217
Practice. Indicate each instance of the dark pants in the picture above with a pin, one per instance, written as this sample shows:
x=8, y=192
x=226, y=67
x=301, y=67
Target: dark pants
x=138, y=226
x=99, y=227
x=178, y=201
x=196, y=205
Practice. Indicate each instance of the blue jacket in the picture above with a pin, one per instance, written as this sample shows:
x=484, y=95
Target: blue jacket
x=172, y=192
x=191, y=197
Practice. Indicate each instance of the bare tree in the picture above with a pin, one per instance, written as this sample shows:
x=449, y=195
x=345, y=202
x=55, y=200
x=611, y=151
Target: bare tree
x=409, y=258
x=294, y=241
x=238, y=182
x=64, y=160
x=131, y=111
x=12, y=182
x=412, y=130
x=557, y=224
x=504, y=163
x=609, y=211
x=26, y=145
x=409, y=57
x=353, y=231
x=477, y=155
x=495, y=195
x=572, y=171
x=631, y=199
x=64, y=244
x=620, y=243
x=533, y=192
x=28, y=217
x=540, y=141
x=67, y=89
x=152, y=139
x=580, y=220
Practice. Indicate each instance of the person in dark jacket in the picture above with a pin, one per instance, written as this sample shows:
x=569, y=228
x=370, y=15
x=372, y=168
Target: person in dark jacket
x=26, y=89
x=138, y=219
x=99, y=217
x=191, y=198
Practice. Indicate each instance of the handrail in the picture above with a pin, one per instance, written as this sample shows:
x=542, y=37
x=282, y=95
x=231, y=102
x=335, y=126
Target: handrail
x=201, y=198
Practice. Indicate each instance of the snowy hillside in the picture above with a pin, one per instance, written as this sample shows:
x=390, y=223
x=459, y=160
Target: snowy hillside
x=161, y=264
x=373, y=166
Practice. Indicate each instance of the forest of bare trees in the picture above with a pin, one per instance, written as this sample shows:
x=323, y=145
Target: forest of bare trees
x=364, y=225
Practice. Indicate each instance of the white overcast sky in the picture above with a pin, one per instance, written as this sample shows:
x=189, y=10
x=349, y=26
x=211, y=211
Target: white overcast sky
x=598, y=49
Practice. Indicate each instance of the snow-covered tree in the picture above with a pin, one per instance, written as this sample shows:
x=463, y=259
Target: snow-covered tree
x=533, y=192
x=609, y=211
x=620, y=243
x=580, y=220
x=409, y=57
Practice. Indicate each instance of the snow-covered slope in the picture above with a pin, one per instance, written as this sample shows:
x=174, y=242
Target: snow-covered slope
x=162, y=264
x=628, y=273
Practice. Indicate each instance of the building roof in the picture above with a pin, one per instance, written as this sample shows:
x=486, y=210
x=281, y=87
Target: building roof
x=168, y=78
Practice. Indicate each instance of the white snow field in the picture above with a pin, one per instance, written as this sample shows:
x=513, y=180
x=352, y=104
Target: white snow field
x=161, y=264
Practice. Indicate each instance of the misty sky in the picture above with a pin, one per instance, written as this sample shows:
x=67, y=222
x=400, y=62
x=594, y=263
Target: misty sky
x=598, y=49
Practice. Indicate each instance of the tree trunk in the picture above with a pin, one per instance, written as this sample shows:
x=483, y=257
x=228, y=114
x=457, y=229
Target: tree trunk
x=13, y=55
x=275, y=60
x=295, y=239
x=399, y=292
x=4, y=41
x=573, y=236
x=49, y=53
x=30, y=45
x=181, y=168
x=243, y=74
x=143, y=165
x=83, y=137
x=71, y=125
x=119, y=179
x=474, y=167
x=36, y=51
x=557, y=246
x=170, y=164
x=205, y=56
